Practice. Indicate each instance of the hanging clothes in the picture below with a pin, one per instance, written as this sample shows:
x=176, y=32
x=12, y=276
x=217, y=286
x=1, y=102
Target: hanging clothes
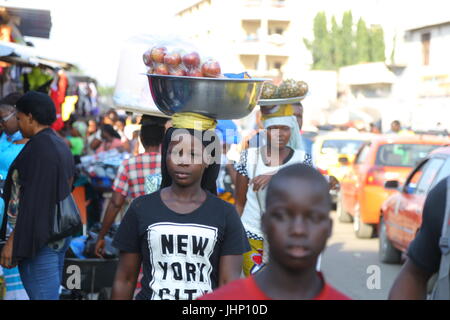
x=37, y=80
x=6, y=33
x=58, y=95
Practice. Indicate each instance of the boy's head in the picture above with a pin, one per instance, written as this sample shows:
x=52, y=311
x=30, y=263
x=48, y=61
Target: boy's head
x=297, y=220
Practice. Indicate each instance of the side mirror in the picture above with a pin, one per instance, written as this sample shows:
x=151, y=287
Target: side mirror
x=392, y=184
x=344, y=161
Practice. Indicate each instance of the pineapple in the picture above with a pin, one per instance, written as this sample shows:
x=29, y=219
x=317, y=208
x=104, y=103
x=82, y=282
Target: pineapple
x=303, y=87
x=269, y=90
x=288, y=89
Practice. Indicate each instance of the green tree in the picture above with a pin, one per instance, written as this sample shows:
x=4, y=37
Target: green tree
x=363, y=42
x=106, y=91
x=336, y=39
x=377, y=44
x=342, y=46
x=347, y=46
x=320, y=47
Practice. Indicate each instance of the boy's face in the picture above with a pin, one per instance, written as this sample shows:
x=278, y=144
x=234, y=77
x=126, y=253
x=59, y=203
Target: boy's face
x=297, y=223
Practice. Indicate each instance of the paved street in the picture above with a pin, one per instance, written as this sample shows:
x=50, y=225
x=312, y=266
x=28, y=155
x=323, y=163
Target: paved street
x=347, y=259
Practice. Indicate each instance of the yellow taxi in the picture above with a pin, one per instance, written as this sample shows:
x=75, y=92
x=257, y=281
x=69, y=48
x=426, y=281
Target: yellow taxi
x=335, y=151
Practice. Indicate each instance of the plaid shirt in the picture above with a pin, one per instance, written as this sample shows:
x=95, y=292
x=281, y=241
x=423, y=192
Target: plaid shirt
x=130, y=180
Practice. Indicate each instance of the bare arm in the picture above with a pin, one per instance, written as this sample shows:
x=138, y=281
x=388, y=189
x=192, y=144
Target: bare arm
x=6, y=254
x=127, y=146
x=241, y=192
x=232, y=172
x=230, y=269
x=126, y=276
x=114, y=206
x=95, y=144
x=411, y=283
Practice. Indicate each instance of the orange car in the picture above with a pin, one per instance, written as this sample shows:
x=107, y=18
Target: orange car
x=387, y=157
x=401, y=213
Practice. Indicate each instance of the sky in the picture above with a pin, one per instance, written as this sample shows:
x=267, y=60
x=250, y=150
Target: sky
x=91, y=33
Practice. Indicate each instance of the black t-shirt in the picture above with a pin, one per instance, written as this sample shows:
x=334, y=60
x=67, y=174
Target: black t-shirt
x=424, y=251
x=180, y=252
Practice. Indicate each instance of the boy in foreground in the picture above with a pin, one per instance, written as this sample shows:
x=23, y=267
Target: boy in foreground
x=297, y=224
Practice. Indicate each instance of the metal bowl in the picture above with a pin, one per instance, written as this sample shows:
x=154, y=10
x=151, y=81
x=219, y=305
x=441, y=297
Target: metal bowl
x=275, y=102
x=220, y=98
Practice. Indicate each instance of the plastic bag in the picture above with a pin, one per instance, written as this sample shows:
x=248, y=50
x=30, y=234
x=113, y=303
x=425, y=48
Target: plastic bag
x=178, y=61
x=131, y=88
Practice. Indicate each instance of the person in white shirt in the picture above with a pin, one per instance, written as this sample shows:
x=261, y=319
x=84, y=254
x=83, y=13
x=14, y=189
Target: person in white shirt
x=255, y=169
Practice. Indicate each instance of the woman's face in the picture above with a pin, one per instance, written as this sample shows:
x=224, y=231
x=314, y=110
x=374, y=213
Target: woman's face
x=120, y=126
x=74, y=132
x=278, y=136
x=26, y=124
x=8, y=121
x=92, y=127
x=185, y=161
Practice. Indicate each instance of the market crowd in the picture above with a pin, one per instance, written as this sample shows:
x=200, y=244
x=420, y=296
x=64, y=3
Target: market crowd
x=191, y=222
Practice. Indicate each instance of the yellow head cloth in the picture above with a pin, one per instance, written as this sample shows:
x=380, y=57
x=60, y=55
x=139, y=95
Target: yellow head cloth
x=282, y=110
x=190, y=120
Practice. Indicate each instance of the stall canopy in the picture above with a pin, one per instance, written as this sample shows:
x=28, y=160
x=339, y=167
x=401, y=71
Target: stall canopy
x=19, y=54
x=32, y=22
x=366, y=74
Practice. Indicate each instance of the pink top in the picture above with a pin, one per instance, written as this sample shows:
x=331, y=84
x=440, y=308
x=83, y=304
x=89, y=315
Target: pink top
x=106, y=146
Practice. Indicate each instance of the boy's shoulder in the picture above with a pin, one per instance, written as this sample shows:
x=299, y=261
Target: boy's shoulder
x=242, y=289
x=247, y=289
x=330, y=293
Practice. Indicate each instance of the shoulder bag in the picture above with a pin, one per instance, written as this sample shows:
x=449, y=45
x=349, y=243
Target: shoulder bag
x=67, y=221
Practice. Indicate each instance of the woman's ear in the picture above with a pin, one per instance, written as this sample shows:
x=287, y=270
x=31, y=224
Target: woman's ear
x=30, y=118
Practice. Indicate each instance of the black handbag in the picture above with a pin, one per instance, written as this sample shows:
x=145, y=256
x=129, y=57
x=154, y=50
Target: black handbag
x=67, y=220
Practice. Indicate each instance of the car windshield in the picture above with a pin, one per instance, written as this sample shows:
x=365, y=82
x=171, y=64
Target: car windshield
x=403, y=155
x=349, y=147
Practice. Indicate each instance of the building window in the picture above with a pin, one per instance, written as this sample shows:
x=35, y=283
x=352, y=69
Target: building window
x=278, y=3
x=426, y=39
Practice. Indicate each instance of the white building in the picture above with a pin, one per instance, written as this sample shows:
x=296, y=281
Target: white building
x=426, y=79
x=262, y=37
x=265, y=38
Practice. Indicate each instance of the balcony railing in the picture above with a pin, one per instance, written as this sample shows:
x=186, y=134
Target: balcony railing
x=279, y=3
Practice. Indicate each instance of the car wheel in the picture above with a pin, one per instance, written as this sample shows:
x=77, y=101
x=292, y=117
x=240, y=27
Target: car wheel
x=387, y=252
x=362, y=230
x=343, y=216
